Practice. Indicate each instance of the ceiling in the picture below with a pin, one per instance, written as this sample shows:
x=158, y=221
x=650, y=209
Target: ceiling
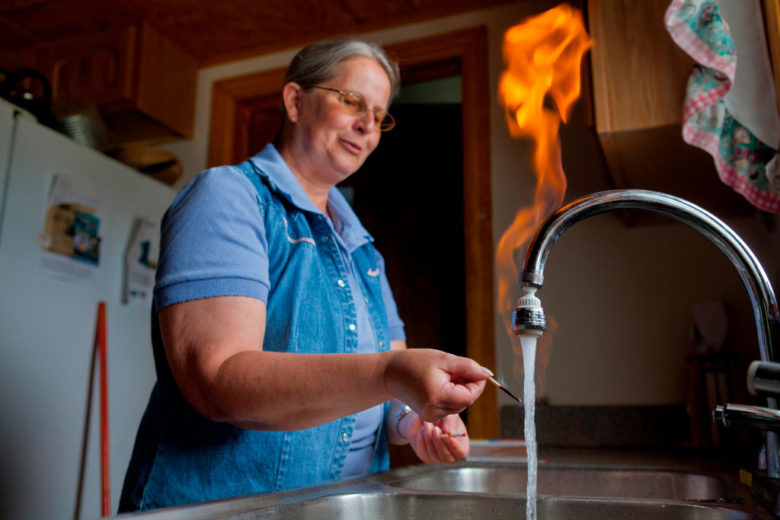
x=218, y=31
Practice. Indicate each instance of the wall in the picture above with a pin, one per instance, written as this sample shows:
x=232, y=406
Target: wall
x=622, y=296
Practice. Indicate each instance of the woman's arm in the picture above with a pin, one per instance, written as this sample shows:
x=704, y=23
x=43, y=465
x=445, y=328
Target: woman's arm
x=215, y=351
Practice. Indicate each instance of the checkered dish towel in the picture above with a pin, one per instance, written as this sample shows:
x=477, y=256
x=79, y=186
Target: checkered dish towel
x=749, y=166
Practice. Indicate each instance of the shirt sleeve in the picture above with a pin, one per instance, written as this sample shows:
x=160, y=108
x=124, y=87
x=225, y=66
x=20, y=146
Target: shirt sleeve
x=213, y=241
x=395, y=325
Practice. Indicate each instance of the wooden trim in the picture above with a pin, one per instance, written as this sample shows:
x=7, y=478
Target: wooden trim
x=464, y=52
x=480, y=264
x=231, y=98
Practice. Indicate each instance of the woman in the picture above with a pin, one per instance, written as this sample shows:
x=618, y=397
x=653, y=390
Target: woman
x=280, y=356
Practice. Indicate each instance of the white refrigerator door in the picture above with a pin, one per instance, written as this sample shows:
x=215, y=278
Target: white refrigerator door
x=47, y=328
x=6, y=137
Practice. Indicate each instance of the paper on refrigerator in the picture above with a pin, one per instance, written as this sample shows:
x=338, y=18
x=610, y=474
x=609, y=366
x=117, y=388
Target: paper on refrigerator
x=70, y=239
x=140, y=263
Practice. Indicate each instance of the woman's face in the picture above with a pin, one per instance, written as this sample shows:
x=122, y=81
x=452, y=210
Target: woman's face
x=334, y=142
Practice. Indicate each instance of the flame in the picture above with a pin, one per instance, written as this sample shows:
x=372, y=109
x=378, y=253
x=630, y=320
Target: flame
x=542, y=57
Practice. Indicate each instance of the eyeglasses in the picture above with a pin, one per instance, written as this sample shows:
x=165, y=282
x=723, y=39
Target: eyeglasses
x=354, y=103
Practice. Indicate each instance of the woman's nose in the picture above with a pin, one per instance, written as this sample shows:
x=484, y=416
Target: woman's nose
x=366, y=122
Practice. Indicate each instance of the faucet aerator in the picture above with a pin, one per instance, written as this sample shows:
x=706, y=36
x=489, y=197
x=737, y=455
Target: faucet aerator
x=528, y=318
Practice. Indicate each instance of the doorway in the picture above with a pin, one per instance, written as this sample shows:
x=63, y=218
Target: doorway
x=409, y=196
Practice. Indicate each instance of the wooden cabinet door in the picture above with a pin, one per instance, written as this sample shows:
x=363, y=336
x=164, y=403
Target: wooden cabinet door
x=639, y=73
x=96, y=67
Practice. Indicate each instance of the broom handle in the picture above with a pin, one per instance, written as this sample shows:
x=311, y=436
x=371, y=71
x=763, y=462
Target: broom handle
x=104, y=445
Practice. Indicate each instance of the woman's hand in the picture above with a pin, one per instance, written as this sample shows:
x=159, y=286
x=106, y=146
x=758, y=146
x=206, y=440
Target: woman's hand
x=441, y=442
x=434, y=383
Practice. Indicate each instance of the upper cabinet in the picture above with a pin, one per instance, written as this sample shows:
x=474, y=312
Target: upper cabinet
x=143, y=84
x=772, y=21
x=639, y=73
x=639, y=81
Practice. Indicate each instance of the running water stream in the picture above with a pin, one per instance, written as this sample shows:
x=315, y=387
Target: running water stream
x=528, y=345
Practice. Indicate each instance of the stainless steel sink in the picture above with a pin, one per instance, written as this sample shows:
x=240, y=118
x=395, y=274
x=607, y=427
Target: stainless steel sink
x=572, y=481
x=414, y=506
x=486, y=490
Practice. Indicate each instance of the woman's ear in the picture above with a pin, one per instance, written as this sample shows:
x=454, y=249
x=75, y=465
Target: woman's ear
x=291, y=98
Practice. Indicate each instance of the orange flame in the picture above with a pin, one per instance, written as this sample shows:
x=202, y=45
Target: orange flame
x=543, y=56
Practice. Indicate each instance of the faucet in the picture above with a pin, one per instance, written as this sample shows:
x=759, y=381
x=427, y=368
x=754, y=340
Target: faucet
x=763, y=379
x=528, y=317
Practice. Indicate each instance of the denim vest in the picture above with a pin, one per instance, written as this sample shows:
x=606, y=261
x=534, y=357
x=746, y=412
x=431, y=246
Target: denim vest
x=180, y=457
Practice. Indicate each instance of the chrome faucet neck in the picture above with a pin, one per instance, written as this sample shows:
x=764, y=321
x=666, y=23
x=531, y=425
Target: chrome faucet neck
x=762, y=297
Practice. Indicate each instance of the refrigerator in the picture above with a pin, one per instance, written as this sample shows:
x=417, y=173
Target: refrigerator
x=48, y=314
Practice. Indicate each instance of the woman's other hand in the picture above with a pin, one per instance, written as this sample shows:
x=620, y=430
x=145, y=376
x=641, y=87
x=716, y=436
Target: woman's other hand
x=441, y=442
x=434, y=383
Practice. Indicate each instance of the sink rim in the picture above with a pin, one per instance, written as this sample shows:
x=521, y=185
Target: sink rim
x=419, y=470
x=624, y=482
x=381, y=495
x=377, y=484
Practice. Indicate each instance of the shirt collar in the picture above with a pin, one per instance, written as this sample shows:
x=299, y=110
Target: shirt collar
x=272, y=166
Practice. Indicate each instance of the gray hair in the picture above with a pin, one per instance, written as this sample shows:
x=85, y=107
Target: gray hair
x=319, y=62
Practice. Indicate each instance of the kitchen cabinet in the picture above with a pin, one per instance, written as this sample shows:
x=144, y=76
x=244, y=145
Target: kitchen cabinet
x=772, y=24
x=143, y=84
x=639, y=82
x=639, y=73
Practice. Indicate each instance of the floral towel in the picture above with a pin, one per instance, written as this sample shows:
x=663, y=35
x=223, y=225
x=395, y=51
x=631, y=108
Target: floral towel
x=748, y=165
